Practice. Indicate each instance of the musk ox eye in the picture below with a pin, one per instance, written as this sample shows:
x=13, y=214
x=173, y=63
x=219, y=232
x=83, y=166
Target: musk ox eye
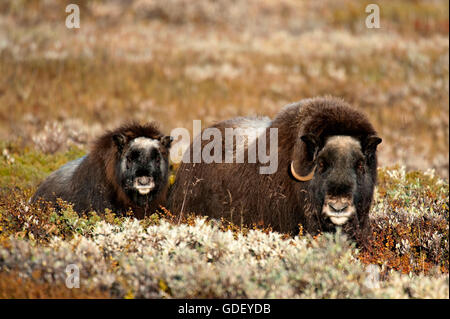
x=321, y=165
x=133, y=156
x=360, y=166
x=155, y=156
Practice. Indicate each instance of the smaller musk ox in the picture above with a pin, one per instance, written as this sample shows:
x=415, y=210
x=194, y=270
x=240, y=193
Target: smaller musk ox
x=326, y=173
x=126, y=168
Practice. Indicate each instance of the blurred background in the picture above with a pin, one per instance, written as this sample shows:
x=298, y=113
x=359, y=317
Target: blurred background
x=178, y=60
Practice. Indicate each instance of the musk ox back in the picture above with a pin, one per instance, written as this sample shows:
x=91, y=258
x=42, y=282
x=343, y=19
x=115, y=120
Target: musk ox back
x=325, y=177
x=127, y=168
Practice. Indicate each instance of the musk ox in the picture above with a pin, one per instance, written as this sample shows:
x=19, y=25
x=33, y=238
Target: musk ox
x=325, y=177
x=126, y=168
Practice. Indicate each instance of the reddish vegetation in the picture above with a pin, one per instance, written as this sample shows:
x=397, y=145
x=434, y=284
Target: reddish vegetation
x=381, y=251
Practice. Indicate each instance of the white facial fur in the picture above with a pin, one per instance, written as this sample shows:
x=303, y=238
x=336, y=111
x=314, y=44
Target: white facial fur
x=343, y=142
x=144, y=142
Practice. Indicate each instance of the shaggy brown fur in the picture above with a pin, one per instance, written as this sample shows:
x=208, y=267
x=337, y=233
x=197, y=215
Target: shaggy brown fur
x=240, y=194
x=92, y=182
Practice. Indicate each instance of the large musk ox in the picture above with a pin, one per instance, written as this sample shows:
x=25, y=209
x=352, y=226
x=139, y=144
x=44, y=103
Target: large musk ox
x=126, y=168
x=326, y=173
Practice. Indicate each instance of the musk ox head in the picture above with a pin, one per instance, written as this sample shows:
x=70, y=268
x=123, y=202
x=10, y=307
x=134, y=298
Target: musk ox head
x=340, y=173
x=142, y=166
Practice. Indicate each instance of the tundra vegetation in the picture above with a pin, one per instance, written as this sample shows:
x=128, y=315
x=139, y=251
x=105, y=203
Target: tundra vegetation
x=172, y=62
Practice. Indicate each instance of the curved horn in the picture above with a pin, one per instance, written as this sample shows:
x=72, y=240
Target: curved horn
x=302, y=178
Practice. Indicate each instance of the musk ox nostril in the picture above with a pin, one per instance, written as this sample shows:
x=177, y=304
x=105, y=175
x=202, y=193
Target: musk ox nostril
x=143, y=180
x=338, y=207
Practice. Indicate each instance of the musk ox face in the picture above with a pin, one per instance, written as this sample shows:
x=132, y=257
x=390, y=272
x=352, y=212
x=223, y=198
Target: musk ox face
x=342, y=179
x=142, y=167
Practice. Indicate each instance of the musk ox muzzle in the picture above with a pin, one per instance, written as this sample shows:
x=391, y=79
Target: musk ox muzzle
x=144, y=184
x=338, y=209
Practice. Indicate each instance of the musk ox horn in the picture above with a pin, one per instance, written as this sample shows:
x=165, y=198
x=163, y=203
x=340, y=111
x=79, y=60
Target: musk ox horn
x=302, y=178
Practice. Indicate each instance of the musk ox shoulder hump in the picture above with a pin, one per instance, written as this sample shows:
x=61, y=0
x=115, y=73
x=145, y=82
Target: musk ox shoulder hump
x=58, y=182
x=256, y=125
x=68, y=169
